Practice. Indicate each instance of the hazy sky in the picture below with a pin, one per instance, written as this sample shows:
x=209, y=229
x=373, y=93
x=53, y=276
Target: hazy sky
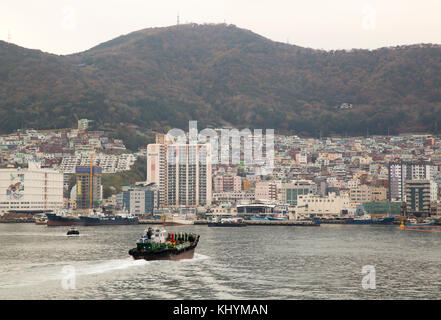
x=68, y=26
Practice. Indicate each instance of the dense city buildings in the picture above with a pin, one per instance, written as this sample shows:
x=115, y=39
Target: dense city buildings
x=361, y=174
x=374, y=175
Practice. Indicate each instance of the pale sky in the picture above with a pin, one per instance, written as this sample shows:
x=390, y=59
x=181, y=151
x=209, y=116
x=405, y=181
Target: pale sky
x=68, y=26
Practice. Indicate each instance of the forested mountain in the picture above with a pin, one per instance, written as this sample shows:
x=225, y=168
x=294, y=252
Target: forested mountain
x=222, y=75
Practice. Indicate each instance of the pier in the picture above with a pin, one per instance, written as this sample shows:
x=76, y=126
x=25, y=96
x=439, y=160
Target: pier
x=248, y=222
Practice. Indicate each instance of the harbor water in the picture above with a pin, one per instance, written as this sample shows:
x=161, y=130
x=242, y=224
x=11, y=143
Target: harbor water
x=255, y=262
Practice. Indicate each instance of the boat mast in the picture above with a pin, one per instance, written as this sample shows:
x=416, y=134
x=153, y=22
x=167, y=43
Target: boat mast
x=90, y=181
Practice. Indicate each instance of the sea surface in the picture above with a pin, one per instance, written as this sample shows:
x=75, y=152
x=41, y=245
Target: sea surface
x=254, y=262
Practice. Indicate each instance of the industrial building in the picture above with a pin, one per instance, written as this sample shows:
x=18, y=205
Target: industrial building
x=33, y=189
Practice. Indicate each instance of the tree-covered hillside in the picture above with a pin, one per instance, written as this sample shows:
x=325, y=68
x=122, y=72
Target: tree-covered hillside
x=222, y=75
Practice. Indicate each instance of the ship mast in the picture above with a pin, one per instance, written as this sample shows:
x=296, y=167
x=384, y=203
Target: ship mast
x=90, y=181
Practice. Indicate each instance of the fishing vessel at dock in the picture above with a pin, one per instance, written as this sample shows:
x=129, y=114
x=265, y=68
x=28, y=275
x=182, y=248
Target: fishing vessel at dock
x=367, y=219
x=99, y=218
x=227, y=222
x=157, y=244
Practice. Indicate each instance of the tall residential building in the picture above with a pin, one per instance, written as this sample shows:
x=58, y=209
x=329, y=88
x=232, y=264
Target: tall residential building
x=89, y=188
x=31, y=189
x=227, y=183
x=157, y=169
x=418, y=197
x=400, y=172
x=182, y=173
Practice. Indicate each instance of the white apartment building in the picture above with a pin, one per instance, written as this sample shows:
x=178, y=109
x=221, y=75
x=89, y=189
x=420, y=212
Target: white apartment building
x=182, y=172
x=157, y=169
x=31, y=189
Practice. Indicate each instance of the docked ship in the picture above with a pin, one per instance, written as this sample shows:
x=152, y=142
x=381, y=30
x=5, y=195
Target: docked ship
x=227, y=222
x=62, y=218
x=177, y=220
x=99, y=218
x=367, y=219
x=157, y=244
x=268, y=219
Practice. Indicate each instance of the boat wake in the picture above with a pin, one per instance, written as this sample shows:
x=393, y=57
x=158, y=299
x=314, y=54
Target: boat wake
x=21, y=234
x=109, y=265
x=57, y=271
x=197, y=257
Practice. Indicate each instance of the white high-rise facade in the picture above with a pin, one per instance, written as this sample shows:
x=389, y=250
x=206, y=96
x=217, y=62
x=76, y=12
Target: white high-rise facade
x=400, y=172
x=157, y=169
x=182, y=173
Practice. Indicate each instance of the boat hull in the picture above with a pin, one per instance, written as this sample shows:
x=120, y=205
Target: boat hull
x=372, y=221
x=56, y=221
x=420, y=224
x=162, y=255
x=165, y=254
x=89, y=221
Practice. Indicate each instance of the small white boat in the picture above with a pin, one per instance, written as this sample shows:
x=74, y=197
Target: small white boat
x=415, y=223
x=177, y=220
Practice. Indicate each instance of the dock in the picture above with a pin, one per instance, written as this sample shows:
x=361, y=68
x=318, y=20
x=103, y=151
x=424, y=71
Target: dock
x=281, y=223
x=248, y=222
x=150, y=221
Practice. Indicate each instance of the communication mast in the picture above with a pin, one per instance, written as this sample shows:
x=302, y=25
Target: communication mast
x=90, y=182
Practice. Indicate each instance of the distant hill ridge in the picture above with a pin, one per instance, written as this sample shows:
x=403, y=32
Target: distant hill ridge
x=223, y=75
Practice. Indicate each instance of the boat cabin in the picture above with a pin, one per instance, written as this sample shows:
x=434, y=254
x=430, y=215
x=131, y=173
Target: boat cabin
x=157, y=235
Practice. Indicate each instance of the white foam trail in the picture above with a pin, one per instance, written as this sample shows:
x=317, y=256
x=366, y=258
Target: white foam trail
x=111, y=265
x=52, y=271
x=36, y=234
x=196, y=257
